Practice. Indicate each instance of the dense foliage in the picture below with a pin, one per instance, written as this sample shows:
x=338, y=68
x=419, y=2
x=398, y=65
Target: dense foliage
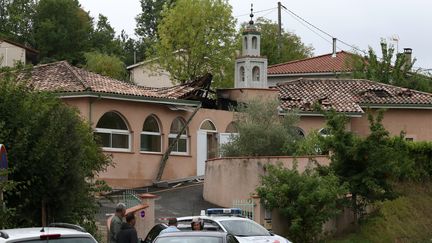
x=398, y=71
x=306, y=199
x=196, y=37
x=106, y=65
x=53, y=159
x=261, y=131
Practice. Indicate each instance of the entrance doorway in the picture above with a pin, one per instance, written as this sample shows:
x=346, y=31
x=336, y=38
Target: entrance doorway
x=207, y=145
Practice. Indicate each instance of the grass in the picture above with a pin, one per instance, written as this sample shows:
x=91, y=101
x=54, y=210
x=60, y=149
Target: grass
x=405, y=219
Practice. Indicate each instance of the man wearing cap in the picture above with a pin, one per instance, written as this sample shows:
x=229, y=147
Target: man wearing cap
x=172, y=226
x=116, y=222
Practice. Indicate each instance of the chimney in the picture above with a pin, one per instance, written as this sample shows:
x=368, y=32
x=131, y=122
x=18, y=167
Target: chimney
x=334, y=47
x=408, y=56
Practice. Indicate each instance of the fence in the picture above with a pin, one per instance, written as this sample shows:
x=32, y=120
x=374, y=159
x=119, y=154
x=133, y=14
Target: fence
x=247, y=207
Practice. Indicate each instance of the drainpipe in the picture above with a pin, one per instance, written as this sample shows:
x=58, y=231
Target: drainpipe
x=167, y=153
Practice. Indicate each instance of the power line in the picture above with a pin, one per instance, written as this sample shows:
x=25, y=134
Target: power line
x=255, y=12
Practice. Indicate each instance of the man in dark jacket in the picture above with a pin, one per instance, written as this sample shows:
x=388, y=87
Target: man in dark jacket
x=128, y=233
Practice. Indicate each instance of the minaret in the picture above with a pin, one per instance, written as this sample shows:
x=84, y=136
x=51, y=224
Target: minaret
x=250, y=66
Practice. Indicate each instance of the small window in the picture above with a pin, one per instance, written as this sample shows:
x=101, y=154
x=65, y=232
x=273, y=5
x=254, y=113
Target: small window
x=324, y=132
x=254, y=42
x=256, y=74
x=246, y=43
x=409, y=139
x=299, y=132
x=181, y=145
x=151, y=137
x=242, y=73
x=113, y=132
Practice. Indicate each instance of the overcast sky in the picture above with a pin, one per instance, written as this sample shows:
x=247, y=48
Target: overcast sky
x=361, y=23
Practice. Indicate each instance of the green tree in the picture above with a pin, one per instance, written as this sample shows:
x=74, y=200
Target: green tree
x=53, y=158
x=16, y=20
x=306, y=199
x=368, y=165
x=106, y=65
x=389, y=70
x=62, y=30
x=292, y=48
x=261, y=131
x=197, y=37
x=148, y=20
x=103, y=38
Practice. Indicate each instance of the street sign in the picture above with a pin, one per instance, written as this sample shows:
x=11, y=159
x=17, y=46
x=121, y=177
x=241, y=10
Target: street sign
x=3, y=161
x=142, y=214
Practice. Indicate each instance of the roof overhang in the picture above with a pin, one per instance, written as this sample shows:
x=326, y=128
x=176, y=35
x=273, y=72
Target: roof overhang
x=398, y=106
x=307, y=74
x=131, y=98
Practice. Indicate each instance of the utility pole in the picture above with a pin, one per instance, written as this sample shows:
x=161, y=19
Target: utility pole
x=280, y=28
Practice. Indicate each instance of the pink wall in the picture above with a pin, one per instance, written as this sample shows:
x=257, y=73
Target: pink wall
x=229, y=179
x=136, y=168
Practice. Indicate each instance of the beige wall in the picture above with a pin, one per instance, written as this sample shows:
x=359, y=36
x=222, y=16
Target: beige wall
x=228, y=179
x=244, y=94
x=151, y=76
x=136, y=168
x=11, y=54
x=417, y=123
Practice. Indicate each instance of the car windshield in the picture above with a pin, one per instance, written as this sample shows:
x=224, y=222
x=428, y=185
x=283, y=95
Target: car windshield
x=189, y=239
x=244, y=228
x=62, y=240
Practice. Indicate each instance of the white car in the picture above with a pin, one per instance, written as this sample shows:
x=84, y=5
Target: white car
x=244, y=229
x=61, y=233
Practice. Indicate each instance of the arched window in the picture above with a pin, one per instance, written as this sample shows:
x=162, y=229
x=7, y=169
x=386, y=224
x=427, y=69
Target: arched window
x=113, y=132
x=299, y=132
x=208, y=126
x=231, y=128
x=151, y=135
x=256, y=74
x=324, y=132
x=242, y=74
x=254, y=42
x=246, y=43
x=181, y=145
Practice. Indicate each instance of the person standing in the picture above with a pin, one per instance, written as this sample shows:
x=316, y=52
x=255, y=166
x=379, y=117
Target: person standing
x=128, y=233
x=117, y=221
x=172, y=226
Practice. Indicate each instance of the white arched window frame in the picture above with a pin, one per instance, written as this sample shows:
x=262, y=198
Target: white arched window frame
x=300, y=132
x=325, y=132
x=151, y=136
x=242, y=73
x=254, y=42
x=182, y=144
x=256, y=73
x=113, y=132
x=208, y=125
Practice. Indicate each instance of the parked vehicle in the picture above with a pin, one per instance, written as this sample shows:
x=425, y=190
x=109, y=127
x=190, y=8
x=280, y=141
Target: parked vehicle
x=58, y=233
x=154, y=232
x=196, y=237
x=228, y=220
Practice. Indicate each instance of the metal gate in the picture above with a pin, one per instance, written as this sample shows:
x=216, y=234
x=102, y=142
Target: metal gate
x=247, y=207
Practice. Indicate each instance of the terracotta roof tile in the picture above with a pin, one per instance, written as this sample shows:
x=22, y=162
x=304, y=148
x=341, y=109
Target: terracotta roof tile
x=345, y=95
x=63, y=77
x=319, y=64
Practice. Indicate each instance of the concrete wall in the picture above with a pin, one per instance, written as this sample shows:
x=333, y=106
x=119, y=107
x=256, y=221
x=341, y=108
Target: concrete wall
x=151, y=76
x=11, y=54
x=227, y=179
x=136, y=168
x=245, y=94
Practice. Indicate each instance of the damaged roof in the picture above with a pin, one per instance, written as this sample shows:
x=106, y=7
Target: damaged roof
x=346, y=95
x=62, y=77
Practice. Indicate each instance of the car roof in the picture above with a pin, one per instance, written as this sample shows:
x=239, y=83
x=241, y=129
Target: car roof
x=193, y=233
x=215, y=218
x=36, y=232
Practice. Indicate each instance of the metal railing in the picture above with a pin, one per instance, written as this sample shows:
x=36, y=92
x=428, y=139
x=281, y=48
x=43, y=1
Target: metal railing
x=247, y=207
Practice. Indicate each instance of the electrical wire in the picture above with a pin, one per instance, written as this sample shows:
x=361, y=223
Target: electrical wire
x=255, y=12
